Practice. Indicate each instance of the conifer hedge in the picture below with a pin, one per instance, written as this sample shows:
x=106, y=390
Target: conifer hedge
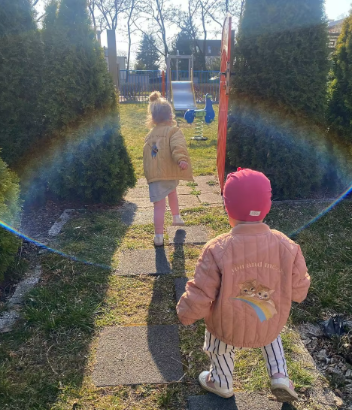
x=9, y=212
x=278, y=95
x=340, y=93
x=83, y=157
x=21, y=65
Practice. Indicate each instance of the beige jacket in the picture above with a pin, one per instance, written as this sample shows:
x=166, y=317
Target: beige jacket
x=244, y=283
x=165, y=146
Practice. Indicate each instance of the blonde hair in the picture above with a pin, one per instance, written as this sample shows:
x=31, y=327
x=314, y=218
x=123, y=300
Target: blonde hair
x=159, y=110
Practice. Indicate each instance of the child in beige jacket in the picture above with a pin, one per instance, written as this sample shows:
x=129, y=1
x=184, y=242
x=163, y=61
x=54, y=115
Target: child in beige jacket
x=244, y=284
x=165, y=161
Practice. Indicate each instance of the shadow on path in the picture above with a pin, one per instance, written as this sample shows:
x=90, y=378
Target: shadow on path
x=240, y=401
x=167, y=343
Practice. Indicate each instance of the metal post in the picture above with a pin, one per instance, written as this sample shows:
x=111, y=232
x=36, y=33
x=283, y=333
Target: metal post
x=168, y=78
x=192, y=67
x=163, y=84
x=118, y=76
x=99, y=37
x=112, y=56
x=177, y=65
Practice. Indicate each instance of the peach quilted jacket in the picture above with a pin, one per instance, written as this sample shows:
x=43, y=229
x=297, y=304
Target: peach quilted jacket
x=244, y=284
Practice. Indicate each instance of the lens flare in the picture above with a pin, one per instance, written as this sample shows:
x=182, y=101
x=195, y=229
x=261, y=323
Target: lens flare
x=322, y=213
x=55, y=251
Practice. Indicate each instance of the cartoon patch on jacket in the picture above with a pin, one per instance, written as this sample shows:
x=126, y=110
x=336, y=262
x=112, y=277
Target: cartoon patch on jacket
x=155, y=146
x=259, y=298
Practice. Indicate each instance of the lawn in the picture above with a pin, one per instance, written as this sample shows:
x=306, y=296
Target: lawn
x=49, y=356
x=46, y=362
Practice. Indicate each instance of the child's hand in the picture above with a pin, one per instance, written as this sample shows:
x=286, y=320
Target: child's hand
x=183, y=165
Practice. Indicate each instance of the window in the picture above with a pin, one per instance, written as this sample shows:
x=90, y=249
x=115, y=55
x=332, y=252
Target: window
x=209, y=50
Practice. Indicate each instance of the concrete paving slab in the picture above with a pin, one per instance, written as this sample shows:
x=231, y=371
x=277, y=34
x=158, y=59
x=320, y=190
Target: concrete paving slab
x=180, y=286
x=196, y=235
x=188, y=201
x=141, y=182
x=140, y=202
x=7, y=320
x=132, y=215
x=241, y=401
x=184, y=190
x=25, y=286
x=137, y=192
x=137, y=355
x=210, y=198
x=143, y=262
x=64, y=217
x=207, y=184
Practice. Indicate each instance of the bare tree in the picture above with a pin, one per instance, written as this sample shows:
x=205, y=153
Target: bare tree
x=92, y=12
x=241, y=9
x=205, y=16
x=106, y=13
x=157, y=12
x=187, y=20
x=132, y=18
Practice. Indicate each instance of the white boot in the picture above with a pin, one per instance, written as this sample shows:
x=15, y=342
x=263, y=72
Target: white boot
x=177, y=221
x=282, y=388
x=159, y=239
x=203, y=379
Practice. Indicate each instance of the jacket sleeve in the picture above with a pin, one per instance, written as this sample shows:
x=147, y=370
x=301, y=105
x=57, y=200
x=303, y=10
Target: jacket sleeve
x=178, y=146
x=300, y=278
x=201, y=292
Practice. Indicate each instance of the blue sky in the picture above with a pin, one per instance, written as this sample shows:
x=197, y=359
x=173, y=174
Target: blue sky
x=334, y=8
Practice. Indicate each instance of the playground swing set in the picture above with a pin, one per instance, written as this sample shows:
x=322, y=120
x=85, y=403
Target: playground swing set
x=181, y=95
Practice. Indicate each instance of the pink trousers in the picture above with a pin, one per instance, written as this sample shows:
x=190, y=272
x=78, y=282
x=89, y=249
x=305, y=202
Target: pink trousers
x=160, y=208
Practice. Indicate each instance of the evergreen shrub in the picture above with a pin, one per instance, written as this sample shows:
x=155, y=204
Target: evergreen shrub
x=21, y=69
x=9, y=211
x=340, y=87
x=83, y=157
x=278, y=96
x=86, y=162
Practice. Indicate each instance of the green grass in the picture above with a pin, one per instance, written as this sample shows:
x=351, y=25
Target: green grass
x=46, y=362
x=202, y=153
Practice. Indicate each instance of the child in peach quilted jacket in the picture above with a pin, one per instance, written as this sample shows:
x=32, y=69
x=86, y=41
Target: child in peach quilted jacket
x=244, y=284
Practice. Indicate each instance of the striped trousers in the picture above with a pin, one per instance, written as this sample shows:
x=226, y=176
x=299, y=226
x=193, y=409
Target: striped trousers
x=222, y=357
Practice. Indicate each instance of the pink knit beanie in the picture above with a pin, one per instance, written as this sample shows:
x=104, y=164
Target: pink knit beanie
x=247, y=195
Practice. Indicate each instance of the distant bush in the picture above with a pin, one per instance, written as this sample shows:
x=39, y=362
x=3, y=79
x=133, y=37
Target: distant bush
x=9, y=211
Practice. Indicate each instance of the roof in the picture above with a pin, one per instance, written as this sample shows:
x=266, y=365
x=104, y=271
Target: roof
x=335, y=23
